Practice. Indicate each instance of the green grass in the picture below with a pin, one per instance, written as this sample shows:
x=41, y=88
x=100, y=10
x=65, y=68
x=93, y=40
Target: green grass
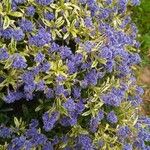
x=141, y=16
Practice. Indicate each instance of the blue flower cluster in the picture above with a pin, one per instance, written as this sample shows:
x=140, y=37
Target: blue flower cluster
x=70, y=65
x=3, y=54
x=50, y=120
x=41, y=38
x=29, y=139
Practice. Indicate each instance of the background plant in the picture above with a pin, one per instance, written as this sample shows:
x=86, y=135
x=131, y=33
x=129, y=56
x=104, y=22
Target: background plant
x=141, y=17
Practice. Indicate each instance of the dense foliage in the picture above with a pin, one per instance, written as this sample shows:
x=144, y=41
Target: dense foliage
x=67, y=76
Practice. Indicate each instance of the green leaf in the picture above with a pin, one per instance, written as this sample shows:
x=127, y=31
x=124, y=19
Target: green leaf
x=54, y=6
x=7, y=4
x=1, y=8
x=16, y=121
x=53, y=34
x=58, y=33
x=83, y=131
x=39, y=108
x=6, y=22
x=58, y=103
x=8, y=64
x=94, y=64
x=66, y=35
x=60, y=23
x=73, y=33
x=86, y=113
x=63, y=111
x=59, y=20
x=16, y=14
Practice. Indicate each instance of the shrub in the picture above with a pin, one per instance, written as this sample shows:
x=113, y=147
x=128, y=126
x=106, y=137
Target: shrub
x=67, y=76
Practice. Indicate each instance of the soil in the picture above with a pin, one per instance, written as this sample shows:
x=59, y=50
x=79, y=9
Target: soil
x=144, y=80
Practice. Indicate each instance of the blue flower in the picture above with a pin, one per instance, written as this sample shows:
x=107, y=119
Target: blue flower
x=59, y=90
x=28, y=95
x=80, y=107
x=123, y=132
x=106, y=53
x=49, y=93
x=108, y=2
x=71, y=67
x=144, y=135
x=40, y=86
x=111, y=117
x=85, y=142
x=60, y=78
x=94, y=122
x=19, y=1
x=45, y=67
x=44, y=2
x=100, y=115
x=88, y=46
x=54, y=47
x=86, y=65
x=30, y=11
x=140, y=144
x=114, y=97
x=13, y=96
x=104, y=13
x=76, y=92
x=122, y=5
x=18, y=34
x=135, y=100
x=34, y=123
x=127, y=147
x=64, y=29
x=26, y=25
x=28, y=77
x=93, y=7
x=91, y=77
x=69, y=121
x=77, y=40
x=135, y=2
x=49, y=16
x=5, y=132
x=139, y=90
x=48, y=146
x=65, y=121
x=41, y=38
x=3, y=54
x=14, y=6
x=70, y=105
x=88, y=22
x=65, y=52
x=125, y=21
x=49, y=120
x=19, y=62
x=38, y=139
x=17, y=143
x=39, y=57
x=77, y=59
x=7, y=33
x=144, y=120
x=83, y=1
